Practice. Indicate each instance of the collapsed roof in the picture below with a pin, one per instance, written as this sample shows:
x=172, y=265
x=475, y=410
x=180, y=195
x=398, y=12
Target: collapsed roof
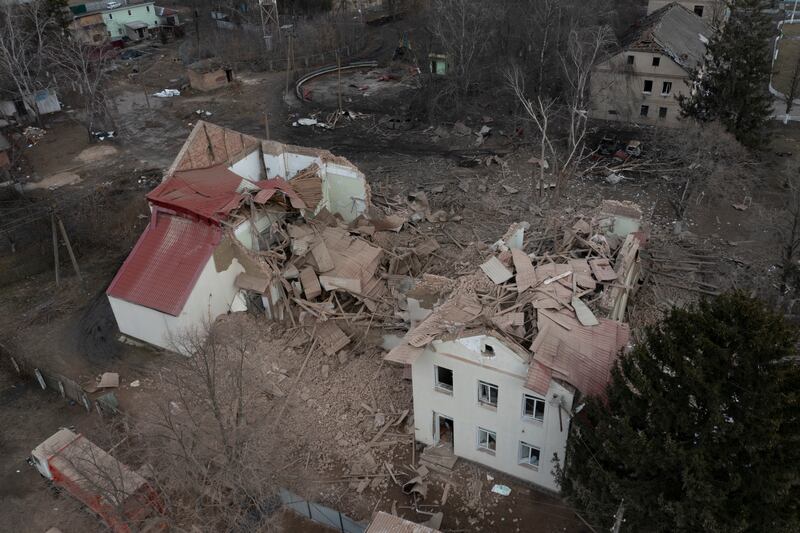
x=672, y=30
x=219, y=180
x=538, y=310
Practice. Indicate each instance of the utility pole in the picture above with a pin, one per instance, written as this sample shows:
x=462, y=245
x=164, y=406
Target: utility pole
x=55, y=246
x=197, y=31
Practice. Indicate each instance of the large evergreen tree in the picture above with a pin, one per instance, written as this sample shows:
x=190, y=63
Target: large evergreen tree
x=733, y=85
x=699, y=431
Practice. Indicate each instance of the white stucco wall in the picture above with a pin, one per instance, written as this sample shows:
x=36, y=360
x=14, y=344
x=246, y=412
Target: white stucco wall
x=617, y=89
x=213, y=294
x=508, y=372
x=248, y=167
x=341, y=184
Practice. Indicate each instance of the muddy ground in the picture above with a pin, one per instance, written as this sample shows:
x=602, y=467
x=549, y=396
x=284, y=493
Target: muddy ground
x=100, y=187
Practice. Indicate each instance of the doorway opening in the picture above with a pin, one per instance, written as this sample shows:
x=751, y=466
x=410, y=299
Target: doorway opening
x=443, y=430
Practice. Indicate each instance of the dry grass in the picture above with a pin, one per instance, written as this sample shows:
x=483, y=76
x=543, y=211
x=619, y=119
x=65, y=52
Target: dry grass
x=788, y=53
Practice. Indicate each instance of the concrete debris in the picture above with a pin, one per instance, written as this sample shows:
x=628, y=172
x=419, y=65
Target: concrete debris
x=167, y=93
x=108, y=380
x=459, y=128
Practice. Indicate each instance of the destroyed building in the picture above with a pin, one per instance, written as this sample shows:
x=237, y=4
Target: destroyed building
x=502, y=359
x=641, y=79
x=219, y=229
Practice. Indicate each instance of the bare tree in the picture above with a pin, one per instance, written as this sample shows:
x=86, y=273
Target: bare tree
x=213, y=463
x=25, y=29
x=462, y=29
x=561, y=122
x=84, y=67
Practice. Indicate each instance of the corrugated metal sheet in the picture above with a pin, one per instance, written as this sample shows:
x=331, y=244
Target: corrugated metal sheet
x=583, y=356
x=163, y=267
x=210, y=193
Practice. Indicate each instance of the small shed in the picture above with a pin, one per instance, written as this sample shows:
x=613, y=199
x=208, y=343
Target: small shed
x=136, y=30
x=209, y=74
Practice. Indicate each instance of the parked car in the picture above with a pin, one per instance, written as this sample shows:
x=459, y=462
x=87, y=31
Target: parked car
x=130, y=54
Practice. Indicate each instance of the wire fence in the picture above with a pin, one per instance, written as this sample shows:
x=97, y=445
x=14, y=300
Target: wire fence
x=320, y=514
x=66, y=387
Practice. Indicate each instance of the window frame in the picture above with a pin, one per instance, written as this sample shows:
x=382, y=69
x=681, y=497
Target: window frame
x=662, y=113
x=656, y=61
x=488, y=402
x=631, y=59
x=644, y=110
x=644, y=87
x=666, y=85
x=490, y=436
x=702, y=10
x=536, y=399
x=440, y=386
x=525, y=460
x=612, y=112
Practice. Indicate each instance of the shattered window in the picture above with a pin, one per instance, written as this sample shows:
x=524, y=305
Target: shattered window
x=487, y=393
x=534, y=408
x=444, y=378
x=487, y=440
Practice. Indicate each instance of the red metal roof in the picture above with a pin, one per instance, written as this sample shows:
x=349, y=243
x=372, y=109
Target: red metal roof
x=583, y=356
x=164, y=265
x=210, y=193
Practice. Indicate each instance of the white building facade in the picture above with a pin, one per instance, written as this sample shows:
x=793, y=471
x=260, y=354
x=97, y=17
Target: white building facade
x=474, y=398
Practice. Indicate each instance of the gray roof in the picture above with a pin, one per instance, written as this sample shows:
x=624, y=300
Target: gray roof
x=672, y=30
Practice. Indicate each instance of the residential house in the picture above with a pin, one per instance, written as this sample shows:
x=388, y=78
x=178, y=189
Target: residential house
x=89, y=29
x=641, y=80
x=483, y=392
x=167, y=17
x=713, y=12
x=131, y=19
x=197, y=258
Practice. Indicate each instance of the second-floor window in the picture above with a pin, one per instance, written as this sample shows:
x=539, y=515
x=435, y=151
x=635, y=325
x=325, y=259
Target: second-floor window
x=444, y=378
x=533, y=408
x=648, y=86
x=666, y=87
x=630, y=60
x=487, y=393
x=656, y=61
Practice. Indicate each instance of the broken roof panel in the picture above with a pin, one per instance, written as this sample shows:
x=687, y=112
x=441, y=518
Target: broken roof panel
x=387, y=523
x=583, y=356
x=211, y=193
x=672, y=30
x=164, y=265
x=496, y=271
